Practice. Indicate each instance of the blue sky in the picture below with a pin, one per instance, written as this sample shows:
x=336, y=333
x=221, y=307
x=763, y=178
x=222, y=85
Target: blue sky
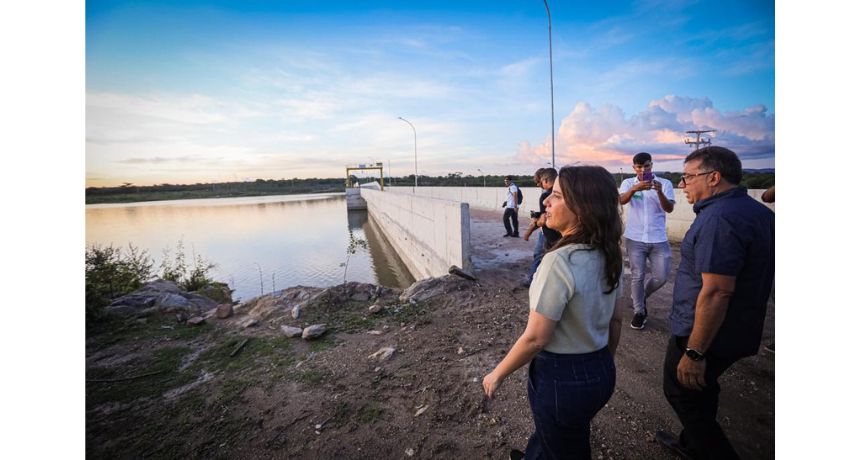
x=184, y=92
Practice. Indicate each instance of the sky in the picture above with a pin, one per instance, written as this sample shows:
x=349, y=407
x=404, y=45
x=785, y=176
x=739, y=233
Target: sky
x=195, y=91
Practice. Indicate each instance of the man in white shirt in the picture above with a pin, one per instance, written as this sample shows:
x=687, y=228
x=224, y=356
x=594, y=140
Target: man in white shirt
x=649, y=198
x=510, y=219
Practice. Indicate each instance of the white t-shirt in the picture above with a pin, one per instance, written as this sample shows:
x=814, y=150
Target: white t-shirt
x=646, y=219
x=568, y=288
x=512, y=196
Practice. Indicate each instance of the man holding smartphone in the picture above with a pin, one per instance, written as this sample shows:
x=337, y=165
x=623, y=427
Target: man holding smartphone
x=649, y=198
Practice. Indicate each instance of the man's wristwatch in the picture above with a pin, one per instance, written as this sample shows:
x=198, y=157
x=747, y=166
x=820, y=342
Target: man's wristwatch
x=695, y=355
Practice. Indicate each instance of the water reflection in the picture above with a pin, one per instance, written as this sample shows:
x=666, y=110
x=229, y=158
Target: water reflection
x=295, y=240
x=387, y=265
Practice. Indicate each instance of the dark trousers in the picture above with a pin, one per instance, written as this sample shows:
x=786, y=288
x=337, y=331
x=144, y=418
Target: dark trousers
x=565, y=393
x=697, y=410
x=512, y=227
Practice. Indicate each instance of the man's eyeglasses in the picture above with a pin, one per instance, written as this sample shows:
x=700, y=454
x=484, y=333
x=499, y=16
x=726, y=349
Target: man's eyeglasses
x=687, y=177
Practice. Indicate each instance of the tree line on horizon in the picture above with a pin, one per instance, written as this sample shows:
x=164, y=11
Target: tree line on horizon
x=129, y=192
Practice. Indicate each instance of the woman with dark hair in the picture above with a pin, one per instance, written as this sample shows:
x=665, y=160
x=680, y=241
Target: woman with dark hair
x=574, y=317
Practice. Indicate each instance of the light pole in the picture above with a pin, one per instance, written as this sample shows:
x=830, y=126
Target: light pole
x=551, y=95
x=415, y=134
x=482, y=175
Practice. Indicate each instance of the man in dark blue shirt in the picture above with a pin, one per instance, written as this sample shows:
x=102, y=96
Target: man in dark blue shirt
x=719, y=304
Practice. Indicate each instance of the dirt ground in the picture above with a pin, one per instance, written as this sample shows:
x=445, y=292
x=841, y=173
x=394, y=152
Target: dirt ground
x=159, y=389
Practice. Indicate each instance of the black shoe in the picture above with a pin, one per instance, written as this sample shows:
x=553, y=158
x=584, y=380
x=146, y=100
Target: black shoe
x=517, y=454
x=638, y=321
x=516, y=235
x=506, y=235
x=669, y=441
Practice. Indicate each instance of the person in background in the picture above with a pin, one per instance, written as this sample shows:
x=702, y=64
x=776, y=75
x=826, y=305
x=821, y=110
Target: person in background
x=648, y=198
x=548, y=236
x=719, y=304
x=574, y=322
x=769, y=196
x=510, y=219
x=533, y=224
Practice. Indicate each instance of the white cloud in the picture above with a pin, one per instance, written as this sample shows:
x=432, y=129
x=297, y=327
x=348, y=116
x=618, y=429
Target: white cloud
x=605, y=136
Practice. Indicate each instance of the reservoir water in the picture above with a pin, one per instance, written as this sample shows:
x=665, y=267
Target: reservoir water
x=273, y=241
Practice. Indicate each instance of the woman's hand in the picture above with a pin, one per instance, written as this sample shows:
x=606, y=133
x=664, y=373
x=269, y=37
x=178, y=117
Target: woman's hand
x=491, y=383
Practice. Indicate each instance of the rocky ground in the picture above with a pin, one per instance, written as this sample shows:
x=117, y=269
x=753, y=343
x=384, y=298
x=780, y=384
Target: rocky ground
x=402, y=382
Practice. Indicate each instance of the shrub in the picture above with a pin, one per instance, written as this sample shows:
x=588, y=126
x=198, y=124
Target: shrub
x=111, y=272
x=191, y=278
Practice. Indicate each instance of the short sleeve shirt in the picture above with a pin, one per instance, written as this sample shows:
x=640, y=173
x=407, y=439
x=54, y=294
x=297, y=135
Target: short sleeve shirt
x=568, y=288
x=512, y=196
x=646, y=219
x=732, y=235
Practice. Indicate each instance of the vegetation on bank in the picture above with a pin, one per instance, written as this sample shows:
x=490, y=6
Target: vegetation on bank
x=111, y=272
x=129, y=192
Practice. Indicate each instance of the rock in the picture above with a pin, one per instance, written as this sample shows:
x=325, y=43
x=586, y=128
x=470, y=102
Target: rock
x=410, y=452
x=195, y=321
x=460, y=351
x=422, y=409
x=250, y=322
x=361, y=296
x=374, y=332
x=225, y=310
x=181, y=318
x=382, y=354
x=296, y=311
x=455, y=270
x=375, y=308
x=291, y=331
x=313, y=331
x=161, y=296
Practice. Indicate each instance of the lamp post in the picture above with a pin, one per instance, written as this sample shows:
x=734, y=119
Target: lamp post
x=415, y=134
x=551, y=95
x=482, y=175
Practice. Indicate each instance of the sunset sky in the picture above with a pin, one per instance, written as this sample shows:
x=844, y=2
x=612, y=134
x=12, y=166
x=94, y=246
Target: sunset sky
x=184, y=92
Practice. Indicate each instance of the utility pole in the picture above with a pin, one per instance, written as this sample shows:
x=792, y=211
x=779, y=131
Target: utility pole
x=699, y=140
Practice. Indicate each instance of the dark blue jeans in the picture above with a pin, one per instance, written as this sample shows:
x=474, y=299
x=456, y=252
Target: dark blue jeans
x=538, y=254
x=565, y=393
x=696, y=409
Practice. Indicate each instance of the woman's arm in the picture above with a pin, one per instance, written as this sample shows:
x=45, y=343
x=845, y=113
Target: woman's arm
x=537, y=334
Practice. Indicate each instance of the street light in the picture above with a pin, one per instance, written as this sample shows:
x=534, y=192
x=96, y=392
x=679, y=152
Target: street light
x=551, y=95
x=482, y=175
x=415, y=134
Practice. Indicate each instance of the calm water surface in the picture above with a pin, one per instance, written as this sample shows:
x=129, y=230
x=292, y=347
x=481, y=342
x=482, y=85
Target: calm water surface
x=283, y=240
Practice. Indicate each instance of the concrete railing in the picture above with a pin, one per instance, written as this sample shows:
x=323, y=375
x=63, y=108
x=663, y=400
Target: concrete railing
x=491, y=198
x=429, y=234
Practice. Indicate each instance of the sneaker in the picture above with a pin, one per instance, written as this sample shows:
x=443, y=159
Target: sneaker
x=669, y=441
x=770, y=348
x=516, y=235
x=506, y=235
x=638, y=321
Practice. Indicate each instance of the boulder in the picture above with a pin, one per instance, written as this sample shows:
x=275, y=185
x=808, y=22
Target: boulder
x=296, y=311
x=383, y=354
x=250, y=322
x=225, y=310
x=376, y=308
x=291, y=331
x=432, y=287
x=161, y=296
x=313, y=331
x=195, y=321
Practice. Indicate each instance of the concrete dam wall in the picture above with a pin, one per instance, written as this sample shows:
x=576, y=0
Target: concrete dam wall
x=429, y=234
x=491, y=198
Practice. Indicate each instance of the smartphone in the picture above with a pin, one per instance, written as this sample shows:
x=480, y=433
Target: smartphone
x=648, y=176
